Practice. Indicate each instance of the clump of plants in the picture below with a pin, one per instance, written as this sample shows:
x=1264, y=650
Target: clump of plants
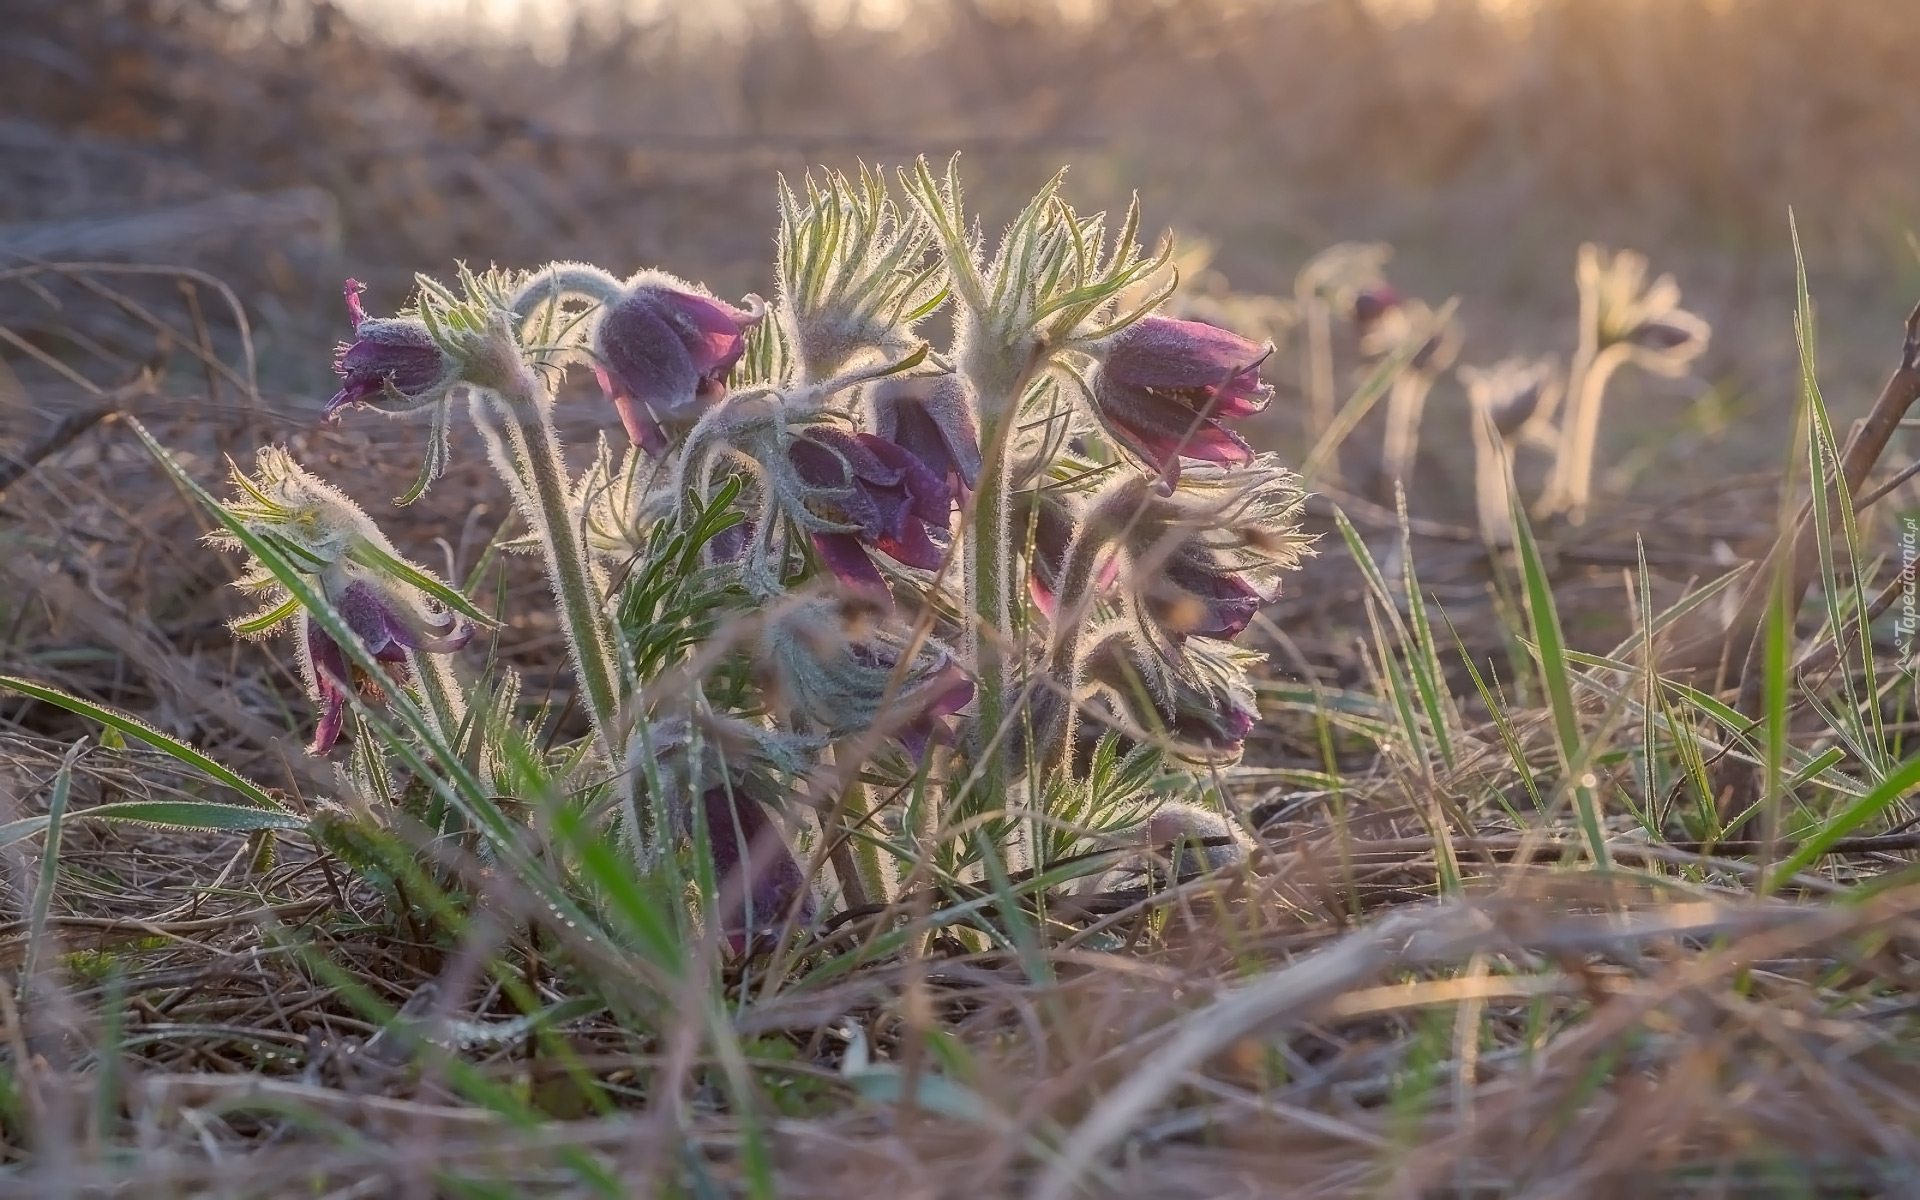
x=845, y=611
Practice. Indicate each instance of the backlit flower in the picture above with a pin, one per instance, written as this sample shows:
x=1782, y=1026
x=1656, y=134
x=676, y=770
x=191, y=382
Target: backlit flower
x=888, y=499
x=663, y=352
x=391, y=359
x=1165, y=385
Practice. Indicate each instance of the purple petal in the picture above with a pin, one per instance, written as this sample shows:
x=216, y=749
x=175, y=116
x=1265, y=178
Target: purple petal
x=1170, y=354
x=926, y=493
x=757, y=896
x=847, y=559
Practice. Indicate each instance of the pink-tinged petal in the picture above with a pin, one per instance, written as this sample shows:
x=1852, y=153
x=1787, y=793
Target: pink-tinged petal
x=1242, y=396
x=356, y=313
x=847, y=559
x=330, y=681
x=714, y=333
x=371, y=620
x=1173, y=355
x=1163, y=445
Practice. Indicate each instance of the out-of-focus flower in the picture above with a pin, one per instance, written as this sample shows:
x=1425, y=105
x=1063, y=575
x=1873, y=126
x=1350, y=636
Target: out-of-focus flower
x=1515, y=394
x=1164, y=385
x=663, y=351
x=393, y=363
x=932, y=419
x=759, y=877
x=836, y=671
x=884, y=496
x=1623, y=309
x=1371, y=304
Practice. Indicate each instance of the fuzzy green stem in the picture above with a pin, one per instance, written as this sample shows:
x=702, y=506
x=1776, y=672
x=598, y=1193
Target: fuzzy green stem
x=990, y=575
x=535, y=473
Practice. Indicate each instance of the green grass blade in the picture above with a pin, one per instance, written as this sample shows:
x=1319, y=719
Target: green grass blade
x=1543, y=617
x=139, y=731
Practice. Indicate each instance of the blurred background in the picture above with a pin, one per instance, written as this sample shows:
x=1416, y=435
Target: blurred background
x=281, y=145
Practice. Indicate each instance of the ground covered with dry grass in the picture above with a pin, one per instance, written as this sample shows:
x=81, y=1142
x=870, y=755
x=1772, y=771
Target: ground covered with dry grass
x=1581, y=866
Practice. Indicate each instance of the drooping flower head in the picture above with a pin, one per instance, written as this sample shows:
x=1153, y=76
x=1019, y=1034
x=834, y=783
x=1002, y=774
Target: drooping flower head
x=393, y=363
x=738, y=778
x=881, y=495
x=760, y=879
x=1200, y=709
x=663, y=351
x=1201, y=560
x=1516, y=394
x=1645, y=319
x=932, y=419
x=1164, y=385
x=344, y=556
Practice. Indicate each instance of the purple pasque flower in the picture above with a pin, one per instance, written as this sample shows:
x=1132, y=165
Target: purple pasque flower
x=892, y=500
x=1198, y=719
x=933, y=420
x=1165, y=384
x=387, y=356
x=1194, y=594
x=759, y=877
x=833, y=670
x=388, y=627
x=663, y=351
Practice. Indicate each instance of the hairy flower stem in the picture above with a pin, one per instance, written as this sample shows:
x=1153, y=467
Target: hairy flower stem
x=990, y=577
x=1570, y=483
x=1066, y=664
x=531, y=463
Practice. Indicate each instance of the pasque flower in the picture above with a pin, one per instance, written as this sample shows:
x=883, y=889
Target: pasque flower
x=662, y=352
x=1202, y=559
x=933, y=420
x=390, y=358
x=881, y=492
x=343, y=556
x=1164, y=385
x=760, y=880
x=1202, y=710
x=388, y=624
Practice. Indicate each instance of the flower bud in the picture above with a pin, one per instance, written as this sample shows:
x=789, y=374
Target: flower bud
x=881, y=494
x=663, y=352
x=394, y=359
x=837, y=672
x=1164, y=385
x=1201, y=710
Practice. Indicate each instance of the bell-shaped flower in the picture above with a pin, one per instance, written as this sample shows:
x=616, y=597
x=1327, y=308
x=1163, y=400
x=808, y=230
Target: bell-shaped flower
x=932, y=419
x=1201, y=709
x=663, y=351
x=393, y=607
x=759, y=878
x=834, y=670
x=388, y=624
x=871, y=493
x=1164, y=385
x=1201, y=560
x=393, y=363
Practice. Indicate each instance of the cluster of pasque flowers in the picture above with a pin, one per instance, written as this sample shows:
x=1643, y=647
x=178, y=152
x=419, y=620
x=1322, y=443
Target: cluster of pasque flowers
x=1048, y=534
